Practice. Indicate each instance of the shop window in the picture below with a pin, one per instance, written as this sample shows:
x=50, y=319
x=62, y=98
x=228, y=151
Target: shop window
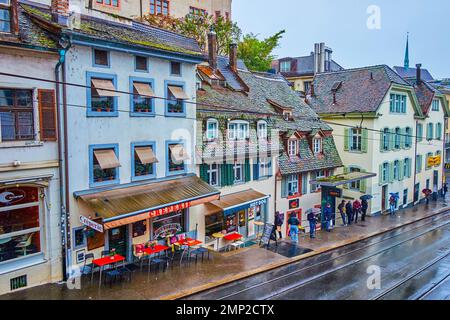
x=101, y=58
x=144, y=161
x=104, y=165
x=143, y=102
x=141, y=63
x=231, y=223
x=214, y=223
x=175, y=68
x=20, y=226
x=5, y=16
x=139, y=228
x=177, y=157
x=213, y=175
x=175, y=104
x=102, y=95
x=16, y=114
x=171, y=224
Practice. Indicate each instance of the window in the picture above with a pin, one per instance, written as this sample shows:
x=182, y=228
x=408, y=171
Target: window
x=430, y=128
x=159, y=7
x=435, y=105
x=111, y=3
x=238, y=172
x=102, y=96
x=212, y=129
x=396, y=170
x=141, y=63
x=177, y=156
x=142, y=103
x=262, y=130
x=238, y=130
x=408, y=138
x=397, y=103
x=104, y=164
x=285, y=66
x=307, y=85
x=397, y=138
x=386, y=138
x=213, y=175
x=197, y=11
x=356, y=184
x=385, y=172
x=292, y=147
x=265, y=166
x=419, y=163
x=316, y=176
x=144, y=160
x=5, y=16
x=317, y=145
x=101, y=58
x=406, y=167
x=287, y=115
x=356, y=139
x=20, y=224
x=16, y=114
x=175, y=68
x=227, y=16
x=419, y=132
x=292, y=184
x=175, y=105
x=439, y=131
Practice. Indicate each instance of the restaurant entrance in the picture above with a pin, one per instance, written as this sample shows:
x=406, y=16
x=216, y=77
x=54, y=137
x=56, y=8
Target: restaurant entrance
x=118, y=240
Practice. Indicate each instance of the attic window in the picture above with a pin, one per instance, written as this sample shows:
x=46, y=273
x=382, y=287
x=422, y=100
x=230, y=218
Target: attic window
x=317, y=145
x=292, y=147
x=285, y=66
x=5, y=16
x=336, y=86
x=287, y=115
x=111, y=3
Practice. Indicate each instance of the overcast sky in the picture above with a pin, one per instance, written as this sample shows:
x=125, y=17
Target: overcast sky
x=343, y=26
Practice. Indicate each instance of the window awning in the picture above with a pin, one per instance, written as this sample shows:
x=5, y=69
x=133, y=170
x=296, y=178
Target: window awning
x=127, y=205
x=146, y=155
x=341, y=179
x=143, y=89
x=107, y=159
x=178, y=93
x=240, y=201
x=178, y=153
x=103, y=87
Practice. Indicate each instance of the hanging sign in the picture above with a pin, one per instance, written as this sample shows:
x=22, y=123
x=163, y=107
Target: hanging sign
x=91, y=224
x=170, y=209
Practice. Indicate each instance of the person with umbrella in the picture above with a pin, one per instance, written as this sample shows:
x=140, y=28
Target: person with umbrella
x=293, y=223
x=312, y=218
x=392, y=203
x=427, y=193
x=365, y=205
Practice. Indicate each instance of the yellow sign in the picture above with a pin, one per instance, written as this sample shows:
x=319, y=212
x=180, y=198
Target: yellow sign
x=434, y=161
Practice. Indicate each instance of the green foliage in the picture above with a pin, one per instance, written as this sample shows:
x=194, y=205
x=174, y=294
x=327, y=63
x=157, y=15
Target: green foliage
x=257, y=54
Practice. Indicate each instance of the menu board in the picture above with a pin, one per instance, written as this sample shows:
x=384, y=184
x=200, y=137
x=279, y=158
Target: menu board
x=268, y=234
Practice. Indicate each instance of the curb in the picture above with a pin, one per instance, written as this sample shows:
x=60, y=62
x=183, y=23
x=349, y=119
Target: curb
x=246, y=274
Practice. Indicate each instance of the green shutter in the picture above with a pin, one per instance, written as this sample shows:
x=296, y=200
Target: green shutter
x=346, y=139
x=382, y=141
x=419, y=132
x=391, y=172
x=230, y=174
x=409, y=168
x=204, y=172
x=401, y=170
x=283, y=187
x=305, y=183
x=346, y=170
x=363, y=184
x=403, y=138
x=226, y=175
x=392, y=139
x=256, y=170
x=365, y=140
x=247, y=172
x=380, y=175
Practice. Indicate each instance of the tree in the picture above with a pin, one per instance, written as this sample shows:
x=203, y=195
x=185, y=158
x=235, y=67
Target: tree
x=257, y=54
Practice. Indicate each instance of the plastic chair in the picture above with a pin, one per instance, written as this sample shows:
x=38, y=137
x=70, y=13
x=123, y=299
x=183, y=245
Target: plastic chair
x=105, y=253
x=88, y=268
x=24, y=244
x=138, y=256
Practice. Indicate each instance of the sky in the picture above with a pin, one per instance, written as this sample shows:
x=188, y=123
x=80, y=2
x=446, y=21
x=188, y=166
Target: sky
x=358, y=35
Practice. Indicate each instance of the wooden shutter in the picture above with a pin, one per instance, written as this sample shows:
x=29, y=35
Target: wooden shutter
x=204, y=172
x=403, y=138
x=391, y=172
x=401, y=170
x=47, y=115
x=380, y=175
x=304, y=183
x=284, y=188
x=364, y=140
x=346, y=139
x=256, y=170
x=346, y=170
x=247, y=170
x=392, y=139
x=363, y=184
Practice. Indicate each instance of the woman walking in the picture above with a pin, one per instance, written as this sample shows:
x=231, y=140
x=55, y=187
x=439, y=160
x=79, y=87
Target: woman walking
x=364, y=207
x=278, y=224
x=293, y=223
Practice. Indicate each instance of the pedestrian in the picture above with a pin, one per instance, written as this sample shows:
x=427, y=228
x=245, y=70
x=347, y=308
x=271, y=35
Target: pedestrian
x=392, y=205
x=312, y=218
x=278, y=224
x=293, y=223
x=427, y=198
x=356, y=209
x=435, y=193
x=327, y=212
x=445, y=190
x=341, y=208
x=349, y=212
x=364, y=207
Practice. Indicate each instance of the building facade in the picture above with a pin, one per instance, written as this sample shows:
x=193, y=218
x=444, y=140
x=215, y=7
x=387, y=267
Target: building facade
x=30, y=207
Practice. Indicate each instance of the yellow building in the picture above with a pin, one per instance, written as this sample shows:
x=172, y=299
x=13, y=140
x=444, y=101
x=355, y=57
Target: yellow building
x=300, y=71
x=375, y=115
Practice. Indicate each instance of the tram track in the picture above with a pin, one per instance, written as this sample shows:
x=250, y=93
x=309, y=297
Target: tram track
x=348, y=251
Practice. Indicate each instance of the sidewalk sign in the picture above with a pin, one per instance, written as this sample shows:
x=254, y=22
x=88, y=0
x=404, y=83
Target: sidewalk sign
x=268, y=234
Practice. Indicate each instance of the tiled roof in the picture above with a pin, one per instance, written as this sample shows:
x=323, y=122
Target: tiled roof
x=362, y=89
x=232, y=80
x=425, y=94
x=411, y=73
x=132, y=34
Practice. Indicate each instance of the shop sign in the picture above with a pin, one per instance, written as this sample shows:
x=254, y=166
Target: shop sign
x=169, y=209
x=294, y=204
x=258, y=203
x=434, y=161
x=168, y=229
x=91, y=224
x=11, y=197
x=334, y=192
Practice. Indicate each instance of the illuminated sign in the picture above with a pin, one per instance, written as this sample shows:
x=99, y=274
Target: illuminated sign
x=169, y=209
x=434, y=161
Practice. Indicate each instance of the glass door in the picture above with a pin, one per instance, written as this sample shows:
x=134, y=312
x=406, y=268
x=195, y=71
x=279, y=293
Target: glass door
x=118, y=240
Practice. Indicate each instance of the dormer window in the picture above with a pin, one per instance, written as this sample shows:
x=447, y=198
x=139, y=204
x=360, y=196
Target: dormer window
x=262, y=129
x=317, y=145
x=5, y=16
x=287, y=115
x=292, y=147
x=238, y=130
x=285, y=66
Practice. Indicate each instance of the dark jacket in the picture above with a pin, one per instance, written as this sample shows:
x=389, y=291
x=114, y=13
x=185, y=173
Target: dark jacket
x=327, y=212
x=349, y=208
x=341, y=207
x=364, y=205
x=278, y=221
x=293, y=221
x=312, y=217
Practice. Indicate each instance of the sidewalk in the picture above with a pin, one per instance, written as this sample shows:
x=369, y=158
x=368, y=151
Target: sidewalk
x=226, y=267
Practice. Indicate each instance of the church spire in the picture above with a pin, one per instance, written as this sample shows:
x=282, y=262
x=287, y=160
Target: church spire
x=407, y=52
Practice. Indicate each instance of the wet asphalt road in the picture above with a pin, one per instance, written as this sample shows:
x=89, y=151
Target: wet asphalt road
x=413, y=263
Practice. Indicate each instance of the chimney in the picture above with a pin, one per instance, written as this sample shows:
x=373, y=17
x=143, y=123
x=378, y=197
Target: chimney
x=322, y=57
x=312, y=89
x=419, y=73
x=212, y=49
x=233, y=57
x=60, y=12
x=316, y=58
x=14, y=17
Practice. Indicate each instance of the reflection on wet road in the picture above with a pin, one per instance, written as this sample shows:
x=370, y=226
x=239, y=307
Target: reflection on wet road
x=413, y=263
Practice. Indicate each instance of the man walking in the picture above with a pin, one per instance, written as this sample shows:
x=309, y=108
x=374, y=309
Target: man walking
x=444, y=190
x=356, y=209
x=327, y=212
x=278, y=224
x=293, y=223
x=364, y=207
x=392, y=205
x=312, y=224
x=349, y=212
x=341, y=208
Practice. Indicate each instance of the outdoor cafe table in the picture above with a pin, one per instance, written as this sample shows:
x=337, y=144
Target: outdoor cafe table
x=188, y=242
x=233, y=237
x=156, y=249
x=102, y=262
x=218, y=235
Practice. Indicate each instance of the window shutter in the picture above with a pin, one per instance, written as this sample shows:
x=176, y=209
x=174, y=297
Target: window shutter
x=270, y=168
x=47, y=115
x=364, y=140
x=346, y=170
x=256, y=170
x=419, y=165
x=363, y=184
x=346, y=139
x=391, y=172
x=382, y=141
x=247, y=170
x=226, y=177
x=392, y=139
x=204, y=172
x=409, y=168
x=305, y=183
x=401, y=170
x=284, y=187
x=380, y=175
x=402, y=138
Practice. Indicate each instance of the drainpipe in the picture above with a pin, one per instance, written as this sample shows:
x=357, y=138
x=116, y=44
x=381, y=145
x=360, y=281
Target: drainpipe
x=140, y=8
x=415, y=164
